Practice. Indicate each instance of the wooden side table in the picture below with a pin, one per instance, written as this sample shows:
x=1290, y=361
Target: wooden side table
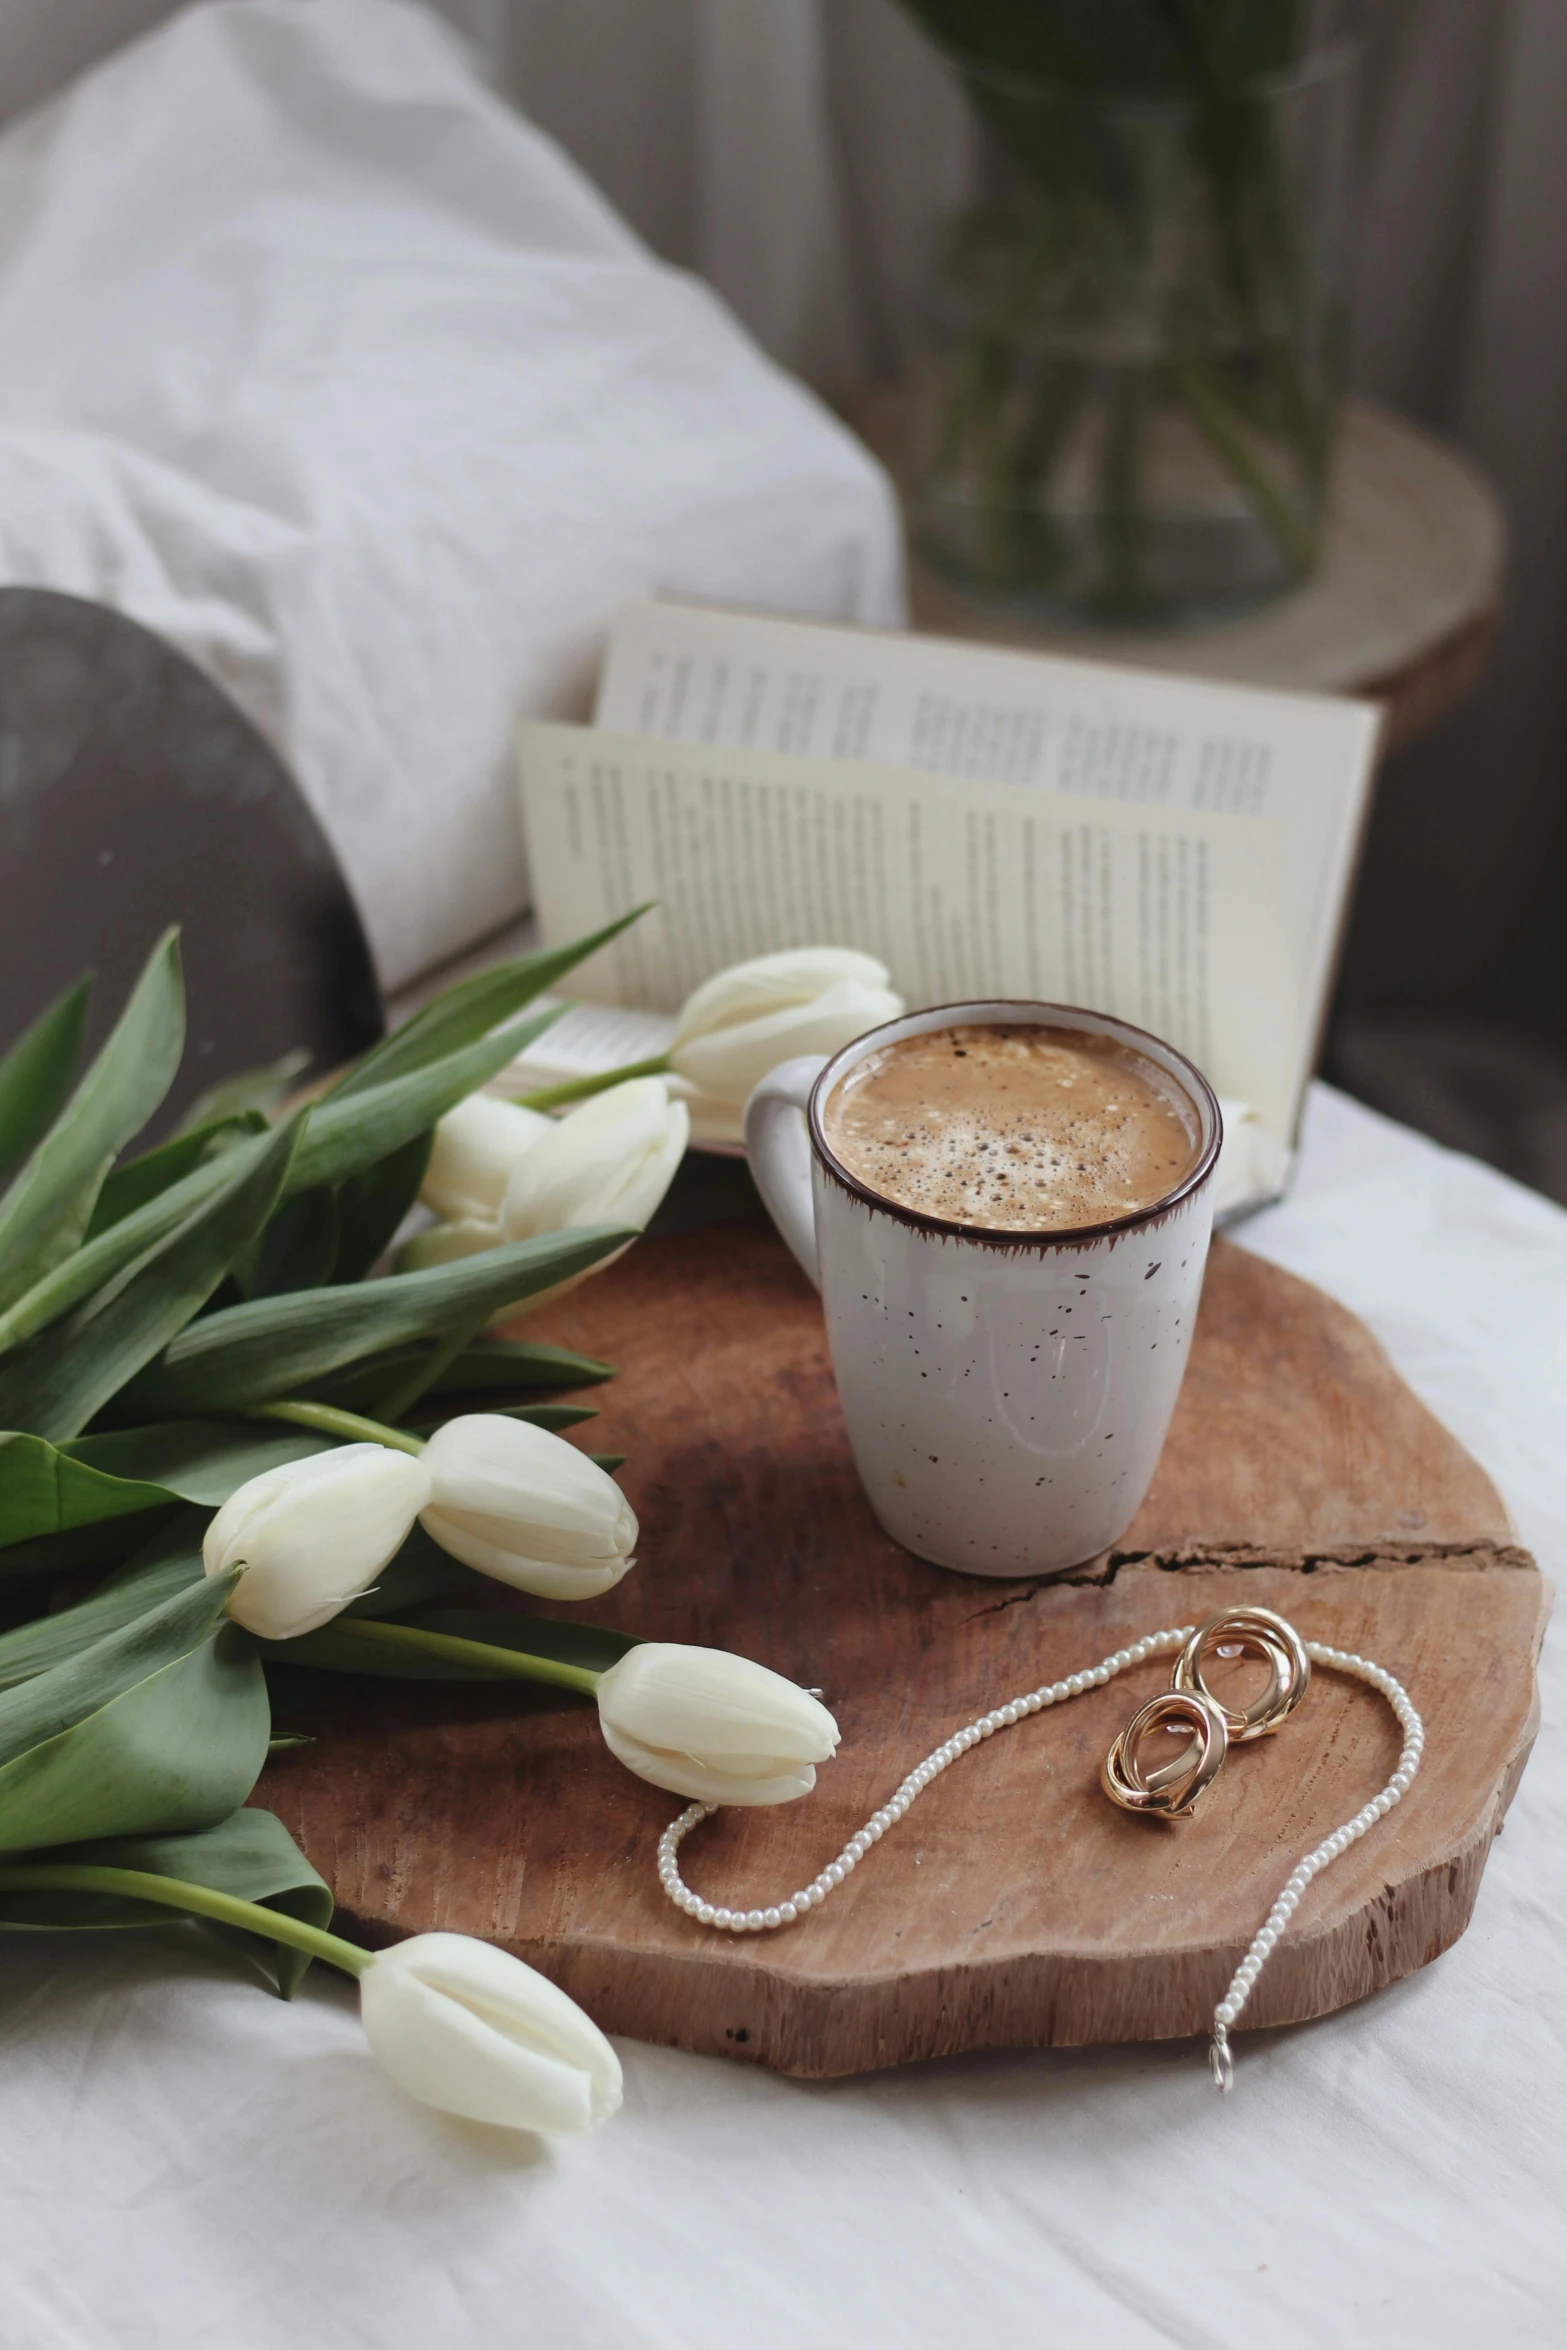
x=1402, y=611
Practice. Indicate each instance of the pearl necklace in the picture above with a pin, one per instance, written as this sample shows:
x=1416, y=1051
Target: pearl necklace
x=1227, y=2013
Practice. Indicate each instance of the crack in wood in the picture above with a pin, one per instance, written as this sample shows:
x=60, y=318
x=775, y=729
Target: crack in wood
x=1196, y=1558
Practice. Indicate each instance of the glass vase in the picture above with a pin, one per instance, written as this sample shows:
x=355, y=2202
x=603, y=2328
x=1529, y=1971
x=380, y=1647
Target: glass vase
x=1126, y=408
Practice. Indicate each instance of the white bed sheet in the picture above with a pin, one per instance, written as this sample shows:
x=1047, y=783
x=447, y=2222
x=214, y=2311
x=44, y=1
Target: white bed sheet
x=185, y=2162
x=318, y=360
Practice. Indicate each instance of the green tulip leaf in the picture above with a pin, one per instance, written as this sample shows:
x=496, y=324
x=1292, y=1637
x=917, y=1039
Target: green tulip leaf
x=35, y=1075
x=131, y=1185
x=468, y=1011
x=297, y=1249
x=46, y=1210
x=554, y=1416
x=352, y=1131
x=158, y=1728
x=372, y=1204
x=259, y=1092
x=53, y=1386
x=45, y=1491
x=81, y=1550
x=516, y=1362
x=48, y=1489
x=250, y=1855
x=105, y=1256
x=273, y=1347
x=489, y=1366
x=198, y=1460
x=170, y=1562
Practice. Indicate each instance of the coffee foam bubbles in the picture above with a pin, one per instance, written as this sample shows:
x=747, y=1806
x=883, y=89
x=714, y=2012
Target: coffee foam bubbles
x=1013, y=1127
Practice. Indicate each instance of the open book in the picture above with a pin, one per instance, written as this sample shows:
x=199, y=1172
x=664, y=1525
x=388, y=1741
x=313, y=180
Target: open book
x=989, y=823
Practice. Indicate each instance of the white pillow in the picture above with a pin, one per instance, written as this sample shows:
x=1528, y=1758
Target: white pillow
x=318, y=360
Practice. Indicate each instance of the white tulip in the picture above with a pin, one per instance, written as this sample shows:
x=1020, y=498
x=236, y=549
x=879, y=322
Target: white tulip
x=713, y=1727
x=466, y=2027
x=744, y=1021
x=314, y=1534
x=476, y=1147
x=608, y=1162
x=515, y=1502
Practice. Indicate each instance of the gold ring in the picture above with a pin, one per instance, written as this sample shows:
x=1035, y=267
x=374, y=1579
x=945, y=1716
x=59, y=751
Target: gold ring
x=1259, y=1632
x=1172, y=1790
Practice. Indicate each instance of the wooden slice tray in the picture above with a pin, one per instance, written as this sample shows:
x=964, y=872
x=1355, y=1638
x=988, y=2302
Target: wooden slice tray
x=1015, y=1906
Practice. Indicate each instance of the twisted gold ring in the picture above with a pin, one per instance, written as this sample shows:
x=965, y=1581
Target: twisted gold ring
x=1259, y=1632
x=1172, y=1790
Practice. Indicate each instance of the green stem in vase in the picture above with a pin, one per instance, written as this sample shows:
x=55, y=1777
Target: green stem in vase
x=1123, y=522
x=1200, y=389
x=226, y=1909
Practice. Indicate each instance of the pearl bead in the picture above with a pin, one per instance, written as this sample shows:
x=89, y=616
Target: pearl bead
x=771, y=1917
x=787, y=1913
x=721, y=1917
x=705, y=1913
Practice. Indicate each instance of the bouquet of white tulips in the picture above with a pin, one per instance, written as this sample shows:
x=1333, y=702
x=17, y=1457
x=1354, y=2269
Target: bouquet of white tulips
x=238, y=1441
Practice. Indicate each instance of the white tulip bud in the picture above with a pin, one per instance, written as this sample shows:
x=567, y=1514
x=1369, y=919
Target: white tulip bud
x=515, y=1502
x=314, y=1534
x=608, y=1162
x=468, y=2028
x=744, y=1021
x=713, y=1727
x=476, y=1147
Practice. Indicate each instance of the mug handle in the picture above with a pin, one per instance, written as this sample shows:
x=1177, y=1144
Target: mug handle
x=779, y=1149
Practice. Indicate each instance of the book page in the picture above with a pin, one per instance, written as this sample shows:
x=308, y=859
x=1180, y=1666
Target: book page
x=1298, y=763
x=1178, y=919
x=587, y=1039
x=748, y=681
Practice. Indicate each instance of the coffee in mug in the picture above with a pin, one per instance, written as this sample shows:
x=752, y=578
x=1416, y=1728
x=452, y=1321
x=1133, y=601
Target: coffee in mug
x=1006, y=1208
x=1012, y=1126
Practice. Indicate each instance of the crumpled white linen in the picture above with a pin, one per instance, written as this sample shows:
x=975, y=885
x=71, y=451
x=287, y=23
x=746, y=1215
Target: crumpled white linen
x=184, y=2162
x=321, y=362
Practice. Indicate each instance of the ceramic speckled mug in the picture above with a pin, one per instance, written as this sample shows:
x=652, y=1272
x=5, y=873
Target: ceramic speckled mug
x=1006, y=1393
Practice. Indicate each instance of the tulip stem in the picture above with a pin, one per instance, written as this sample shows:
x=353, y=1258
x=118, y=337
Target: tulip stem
x=511, y=1664
x=580, y=1089
x=196, y=1900
x=406, y=1393
x=331, y=1422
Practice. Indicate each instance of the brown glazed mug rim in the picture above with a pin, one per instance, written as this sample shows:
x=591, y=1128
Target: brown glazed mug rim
x=996, y=1008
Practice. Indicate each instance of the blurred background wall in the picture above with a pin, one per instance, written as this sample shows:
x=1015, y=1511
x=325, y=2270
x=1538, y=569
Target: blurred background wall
x=796, y=152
